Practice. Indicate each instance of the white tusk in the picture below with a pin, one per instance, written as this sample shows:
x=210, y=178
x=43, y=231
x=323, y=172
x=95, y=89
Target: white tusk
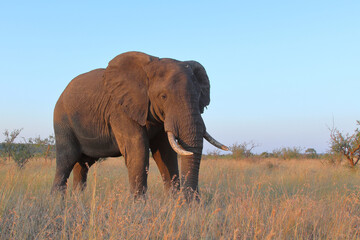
x=176, y=146
x=211, y=140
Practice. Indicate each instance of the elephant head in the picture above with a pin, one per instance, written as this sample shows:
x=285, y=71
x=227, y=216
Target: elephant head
x=172, y=92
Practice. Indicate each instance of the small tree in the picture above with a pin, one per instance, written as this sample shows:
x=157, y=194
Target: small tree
x=8, y=146
x=311, y=153
x=23, y=152
x=243, y=150
x=20, y=153
x=346, y=144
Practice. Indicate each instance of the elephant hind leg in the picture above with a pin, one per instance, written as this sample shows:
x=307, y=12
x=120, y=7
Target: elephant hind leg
x=80, y=172
x=68, y=153
x=61, y=176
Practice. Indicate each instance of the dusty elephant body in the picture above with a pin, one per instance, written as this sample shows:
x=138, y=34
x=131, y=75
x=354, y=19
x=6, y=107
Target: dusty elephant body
x=138, y=102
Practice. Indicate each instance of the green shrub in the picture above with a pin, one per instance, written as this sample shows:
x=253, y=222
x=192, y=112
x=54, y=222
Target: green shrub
x=8, y=146
x=45, y=148
x=311, y=153
x=291, y=153
x=265, y=155
x=346, y=144
x=287, y=153
x=22, y=153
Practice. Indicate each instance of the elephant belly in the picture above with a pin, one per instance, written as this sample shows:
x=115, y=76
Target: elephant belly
x=96, y=141
x=94, y=135
x=99, y=147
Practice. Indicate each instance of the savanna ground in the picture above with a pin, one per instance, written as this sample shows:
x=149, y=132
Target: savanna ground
x=267, y=199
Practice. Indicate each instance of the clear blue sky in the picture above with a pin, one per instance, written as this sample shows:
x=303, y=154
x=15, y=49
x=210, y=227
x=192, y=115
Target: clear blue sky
x=280, y=71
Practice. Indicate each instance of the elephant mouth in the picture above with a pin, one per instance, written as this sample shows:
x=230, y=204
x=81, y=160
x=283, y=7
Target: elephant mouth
x=179, y=150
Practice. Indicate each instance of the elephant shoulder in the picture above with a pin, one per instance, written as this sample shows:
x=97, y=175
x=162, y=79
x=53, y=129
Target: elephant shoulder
x=87, y=80
x=82, y=91
x=85, y=83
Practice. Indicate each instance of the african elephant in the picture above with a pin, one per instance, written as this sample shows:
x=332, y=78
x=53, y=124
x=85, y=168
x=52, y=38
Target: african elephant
x=139, y=102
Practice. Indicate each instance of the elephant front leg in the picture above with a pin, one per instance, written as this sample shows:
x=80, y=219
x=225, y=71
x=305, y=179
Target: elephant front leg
x=133, y=143
x=135, y=149
x=137, y=162
x=166, y=160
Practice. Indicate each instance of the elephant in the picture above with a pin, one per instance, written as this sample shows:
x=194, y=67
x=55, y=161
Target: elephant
x=136, y=104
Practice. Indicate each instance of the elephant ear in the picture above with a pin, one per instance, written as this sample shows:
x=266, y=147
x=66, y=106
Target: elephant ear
x=203, y=80
x=126, y=82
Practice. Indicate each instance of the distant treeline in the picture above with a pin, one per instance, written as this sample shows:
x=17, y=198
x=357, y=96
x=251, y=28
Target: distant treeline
x=342, y=146
x=245, y=150
x=38, y=150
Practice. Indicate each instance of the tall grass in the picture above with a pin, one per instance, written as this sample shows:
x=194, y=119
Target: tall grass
x=272, y=199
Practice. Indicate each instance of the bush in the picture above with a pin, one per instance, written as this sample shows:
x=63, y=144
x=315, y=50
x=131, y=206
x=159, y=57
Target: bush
x=291, y=153
x=8, y=146
x=276, y=153
x=44, y=147
x=332, y=158
x=22, y=152
x=346, y=144
x=243, y=150
x=265, y=155
x=287, y=153
x=311, y=153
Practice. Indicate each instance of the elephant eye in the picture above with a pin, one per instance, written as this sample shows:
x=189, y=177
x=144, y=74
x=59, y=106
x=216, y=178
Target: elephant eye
x=163, y=96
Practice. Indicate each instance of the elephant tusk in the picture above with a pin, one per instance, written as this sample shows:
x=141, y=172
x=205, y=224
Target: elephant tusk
x=176, y=146
x=211, y=140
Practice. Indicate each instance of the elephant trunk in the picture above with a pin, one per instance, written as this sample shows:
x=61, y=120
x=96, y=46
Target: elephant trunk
x=190, y=134
x=190, y=166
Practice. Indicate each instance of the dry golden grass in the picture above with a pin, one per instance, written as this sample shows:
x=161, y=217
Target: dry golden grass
x=300, y=199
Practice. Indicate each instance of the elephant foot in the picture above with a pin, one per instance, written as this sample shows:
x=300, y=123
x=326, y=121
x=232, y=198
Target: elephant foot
x=191, y=195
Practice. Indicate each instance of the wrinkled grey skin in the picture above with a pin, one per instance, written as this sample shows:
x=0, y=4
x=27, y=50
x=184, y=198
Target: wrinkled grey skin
x=126, y=109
